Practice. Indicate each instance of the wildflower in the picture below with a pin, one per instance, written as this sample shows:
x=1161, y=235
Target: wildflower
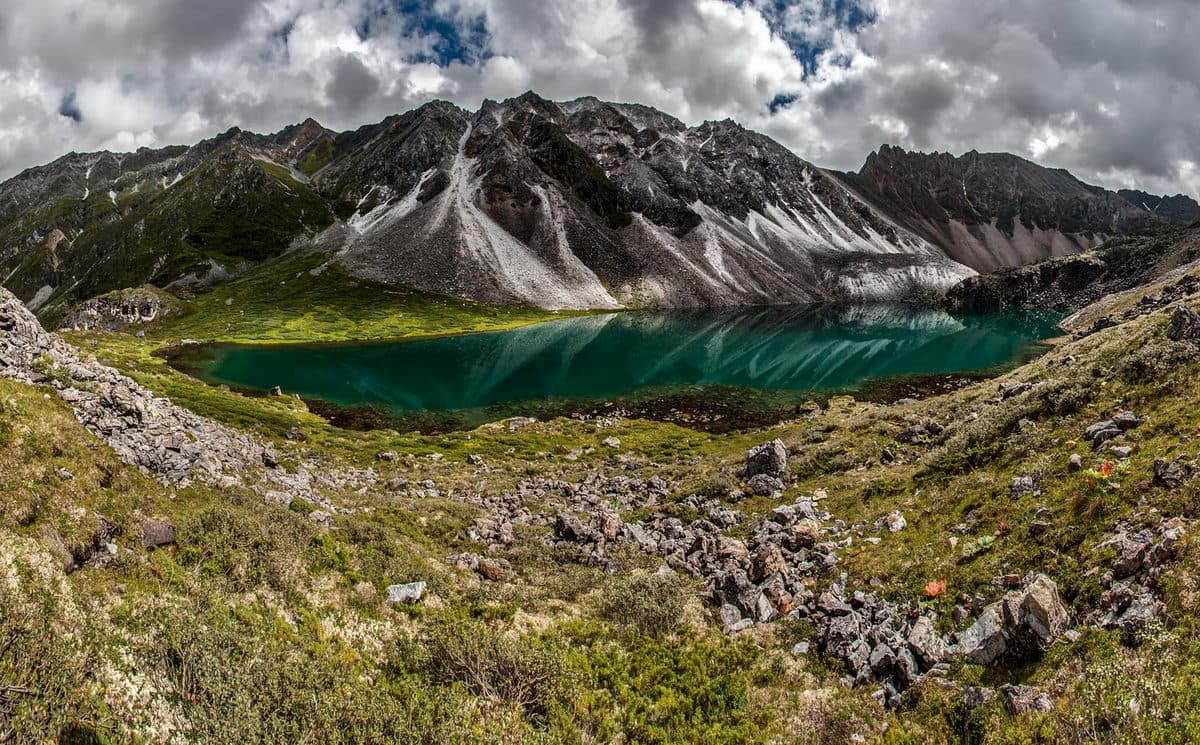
x=934, y=588
x=1107, y=468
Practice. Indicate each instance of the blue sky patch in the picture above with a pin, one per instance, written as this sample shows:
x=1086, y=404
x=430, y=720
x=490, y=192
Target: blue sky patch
x=451, y=40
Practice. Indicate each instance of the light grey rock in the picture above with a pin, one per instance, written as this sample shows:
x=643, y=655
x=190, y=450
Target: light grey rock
x=408, y=593
x=157, y=533
x=770, y=458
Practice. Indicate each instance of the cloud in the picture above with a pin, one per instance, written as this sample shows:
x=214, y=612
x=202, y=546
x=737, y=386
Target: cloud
x=1106, y=88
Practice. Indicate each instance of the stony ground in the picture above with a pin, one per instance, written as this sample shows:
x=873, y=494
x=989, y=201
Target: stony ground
x=1009, y=562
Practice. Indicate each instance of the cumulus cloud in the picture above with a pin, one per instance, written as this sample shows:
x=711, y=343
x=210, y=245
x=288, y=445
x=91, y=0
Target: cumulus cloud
x=1105, y=88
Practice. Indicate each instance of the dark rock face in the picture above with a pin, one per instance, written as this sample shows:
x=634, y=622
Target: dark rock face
x=994, y=210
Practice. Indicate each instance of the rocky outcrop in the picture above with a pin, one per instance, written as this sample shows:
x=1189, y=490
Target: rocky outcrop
x=120, y=309
x=1072, y=282
x=158, y=437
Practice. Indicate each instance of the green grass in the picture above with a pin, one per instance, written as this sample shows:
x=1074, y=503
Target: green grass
x=291, y=300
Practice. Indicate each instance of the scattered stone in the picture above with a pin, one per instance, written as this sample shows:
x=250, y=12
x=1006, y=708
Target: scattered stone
x=611, y=442
x=388, y=456
x=800, y=649
x=474, y=460
x=64, y=474
x=1075, y=463
x=409, y=593
x=1121, y=452
x=157, y=533
x=518, y=422
x=296, y=435
x=276, y=391
x=321, y=518
x=769, y=458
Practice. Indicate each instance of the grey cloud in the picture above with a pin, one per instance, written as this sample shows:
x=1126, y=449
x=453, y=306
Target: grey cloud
x=352, y=83
x=1106, y=88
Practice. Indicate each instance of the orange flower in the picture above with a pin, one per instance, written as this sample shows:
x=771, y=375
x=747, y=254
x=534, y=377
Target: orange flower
x=934, y=588
x=1107, y=468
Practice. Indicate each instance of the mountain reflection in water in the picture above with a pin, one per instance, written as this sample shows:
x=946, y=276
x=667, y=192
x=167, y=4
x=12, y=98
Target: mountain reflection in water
x=827, y=348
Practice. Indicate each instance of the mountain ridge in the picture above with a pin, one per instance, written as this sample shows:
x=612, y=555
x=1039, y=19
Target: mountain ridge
x=573, y=204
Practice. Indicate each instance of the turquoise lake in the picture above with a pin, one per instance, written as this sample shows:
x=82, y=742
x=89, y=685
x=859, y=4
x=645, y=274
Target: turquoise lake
x=763, y=355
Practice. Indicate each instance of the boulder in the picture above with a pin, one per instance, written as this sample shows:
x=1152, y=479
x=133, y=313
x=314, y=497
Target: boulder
x=1171, y=474
x=1184, y=325
x=157, y=533
x=984, y=641
x=1034, y=617
x=408, y=593
x=924, y=642
x=769, y=458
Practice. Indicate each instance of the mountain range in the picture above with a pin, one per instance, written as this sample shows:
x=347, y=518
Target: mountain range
x=578, y=204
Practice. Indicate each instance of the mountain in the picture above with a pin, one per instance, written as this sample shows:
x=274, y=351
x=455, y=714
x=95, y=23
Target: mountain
x=994, y=210
x=579, y=204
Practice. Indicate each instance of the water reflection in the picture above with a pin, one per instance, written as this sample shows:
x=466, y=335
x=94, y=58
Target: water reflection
x=808, y=349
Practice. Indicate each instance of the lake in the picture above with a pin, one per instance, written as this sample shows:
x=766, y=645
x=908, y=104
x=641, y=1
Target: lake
x=758, y=357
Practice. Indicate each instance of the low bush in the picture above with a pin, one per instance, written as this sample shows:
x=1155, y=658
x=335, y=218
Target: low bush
x=646, y=605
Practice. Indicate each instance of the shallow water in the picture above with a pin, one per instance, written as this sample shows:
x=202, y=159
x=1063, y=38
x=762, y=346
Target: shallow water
x=787, y=353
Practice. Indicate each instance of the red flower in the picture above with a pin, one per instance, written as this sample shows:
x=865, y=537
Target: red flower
x=934, y=588
x=1107, y=468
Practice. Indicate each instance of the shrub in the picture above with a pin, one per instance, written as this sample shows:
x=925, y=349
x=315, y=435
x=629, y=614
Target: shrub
x=647, y=605
x=247, y=547
x=500, y=668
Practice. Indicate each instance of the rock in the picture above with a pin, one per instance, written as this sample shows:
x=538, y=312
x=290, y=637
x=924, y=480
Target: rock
x=1101, y=432
x=804, y=534
x=1133, y=607
x=1184, y=325
x=321, y=518
x=157, y=533
x=799, y=649
x=492, y=569
x=1034, y=617
x=1021, y=699
x=1014, y=390
x=474, y=460
x=1171, y=474
x=1132, y=552
x=276, y=391
x=770, y=458
x=983, y=642
x=895, y=522
x=1023, y=486
x=924, y=642
x=296, y=434
x=768, y=560
x=409, y=593
x=974, y=697
x=765, y=486
x=388, y=456
x=1126, y=420
x=611, y=442
x=1075, y=463
x=1121, y=452
x=119, y=310
x=731, y=619
x=518, y=422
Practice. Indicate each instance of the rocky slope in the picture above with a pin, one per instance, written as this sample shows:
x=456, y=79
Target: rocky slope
x=994, y=210
x=1072, y=282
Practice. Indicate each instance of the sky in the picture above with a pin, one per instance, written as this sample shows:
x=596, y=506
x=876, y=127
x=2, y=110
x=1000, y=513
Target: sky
x=1106, y=88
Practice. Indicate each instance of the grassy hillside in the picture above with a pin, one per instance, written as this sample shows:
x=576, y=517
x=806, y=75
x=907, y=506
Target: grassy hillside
x=263, y=623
